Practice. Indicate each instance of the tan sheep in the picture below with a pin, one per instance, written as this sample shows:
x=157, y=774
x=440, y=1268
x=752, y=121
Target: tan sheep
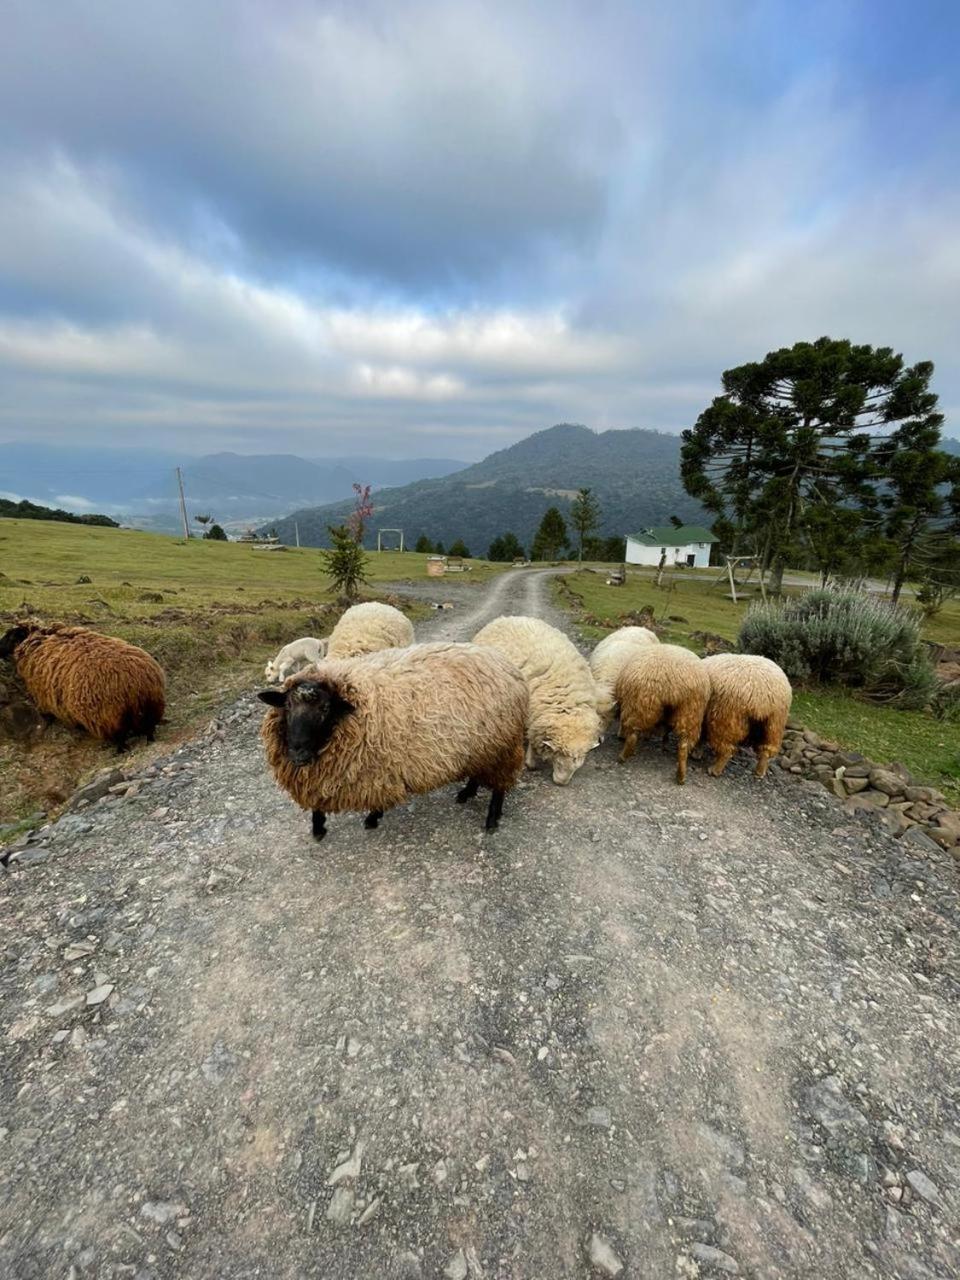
x=367, y=733
x=607, y=660
x=563, y=724
x=111, y=688
x=749, y=703
x=662, y=686
x=367, y=628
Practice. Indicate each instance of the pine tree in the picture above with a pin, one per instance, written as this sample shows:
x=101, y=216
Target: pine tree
x=551, y=536
x=459, y=548
x=505, y=548
x=424, y=545
x=584, y=516
x=345, y=561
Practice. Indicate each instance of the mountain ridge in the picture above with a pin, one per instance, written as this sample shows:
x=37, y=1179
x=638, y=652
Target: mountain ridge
x=634, y=473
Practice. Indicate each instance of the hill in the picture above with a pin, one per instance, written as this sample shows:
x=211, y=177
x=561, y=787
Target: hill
x=30, y=511
x=139, y=485
x=635, y=474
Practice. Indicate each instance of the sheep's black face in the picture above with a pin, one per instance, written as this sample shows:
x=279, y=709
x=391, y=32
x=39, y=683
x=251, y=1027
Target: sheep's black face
x=10, y=640
x=311, y=712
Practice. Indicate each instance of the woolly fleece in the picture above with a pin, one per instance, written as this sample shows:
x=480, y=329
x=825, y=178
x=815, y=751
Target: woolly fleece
x=109, y=687
x=367, y=628
x=424, y=717
x=664, y=685
x=606, y=663
x=749, y=703
x=564, y=723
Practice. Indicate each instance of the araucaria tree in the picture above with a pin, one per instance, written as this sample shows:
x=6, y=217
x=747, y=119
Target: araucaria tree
x=584, y=516
x=345, y=561
x=810, y=429
x=550, y=537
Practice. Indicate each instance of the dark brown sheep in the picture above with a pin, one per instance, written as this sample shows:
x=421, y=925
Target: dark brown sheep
x=109, y=687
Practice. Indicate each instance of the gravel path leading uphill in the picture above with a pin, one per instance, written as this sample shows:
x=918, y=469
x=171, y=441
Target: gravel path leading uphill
x=640, y=1031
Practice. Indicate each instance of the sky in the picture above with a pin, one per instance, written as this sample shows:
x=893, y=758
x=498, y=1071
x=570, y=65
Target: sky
x=428, y=229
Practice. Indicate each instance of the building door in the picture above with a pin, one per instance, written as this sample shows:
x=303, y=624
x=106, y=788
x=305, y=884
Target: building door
x=691, y=561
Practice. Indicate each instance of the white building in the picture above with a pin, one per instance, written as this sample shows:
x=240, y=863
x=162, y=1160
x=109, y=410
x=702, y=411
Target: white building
x=689, y=545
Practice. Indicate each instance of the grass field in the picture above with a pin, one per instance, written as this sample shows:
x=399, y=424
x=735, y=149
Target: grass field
x=929, y=748
x=216, y=612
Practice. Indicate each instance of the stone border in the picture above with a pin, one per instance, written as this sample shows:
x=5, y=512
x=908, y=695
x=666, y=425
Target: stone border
x=907, y=809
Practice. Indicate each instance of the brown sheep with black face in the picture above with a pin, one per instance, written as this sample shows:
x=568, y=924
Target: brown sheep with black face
x=367, y=733
x=109, y=687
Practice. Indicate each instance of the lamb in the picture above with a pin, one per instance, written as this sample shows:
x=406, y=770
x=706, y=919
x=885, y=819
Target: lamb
x=662, y=685
x=749, y=703
x=366, y=628
x=563, y=723
x=367, y=733
x=304, y=652
x=607, y=660
x=109, y=687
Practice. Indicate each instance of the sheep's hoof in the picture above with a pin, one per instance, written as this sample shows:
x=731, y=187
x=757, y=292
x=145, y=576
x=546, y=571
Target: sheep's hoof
x=372, y=820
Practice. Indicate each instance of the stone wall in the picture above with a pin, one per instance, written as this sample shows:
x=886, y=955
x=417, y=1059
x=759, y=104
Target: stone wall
x=907, y=809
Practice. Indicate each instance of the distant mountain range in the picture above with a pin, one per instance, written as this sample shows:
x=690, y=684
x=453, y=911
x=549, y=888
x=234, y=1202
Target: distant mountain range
x=635, y=474
x=139, y=486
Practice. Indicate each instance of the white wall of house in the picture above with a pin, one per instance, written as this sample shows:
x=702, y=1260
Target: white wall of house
x=637, y=553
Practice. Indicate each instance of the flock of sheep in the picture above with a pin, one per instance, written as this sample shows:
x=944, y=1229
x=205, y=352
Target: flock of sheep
x=371, y=718
x=366, y=718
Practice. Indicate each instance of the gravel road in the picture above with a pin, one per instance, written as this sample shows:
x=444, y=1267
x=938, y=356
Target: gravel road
x=640, y=1030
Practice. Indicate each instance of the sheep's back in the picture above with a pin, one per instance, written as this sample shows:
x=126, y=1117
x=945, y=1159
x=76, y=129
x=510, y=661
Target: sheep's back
x=753, y=684
x=425, y=716
x=557, y=674
x=664, y=672
x=368, y=628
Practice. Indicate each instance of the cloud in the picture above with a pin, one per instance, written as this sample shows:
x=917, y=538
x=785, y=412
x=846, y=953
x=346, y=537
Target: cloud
x=366, y=226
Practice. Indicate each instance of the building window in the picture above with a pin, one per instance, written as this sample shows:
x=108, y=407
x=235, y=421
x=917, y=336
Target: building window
x=663, y=551
x=701, y=545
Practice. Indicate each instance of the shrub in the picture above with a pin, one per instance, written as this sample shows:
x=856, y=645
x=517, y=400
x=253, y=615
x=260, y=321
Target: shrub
x=847, y=638
x=945, y=703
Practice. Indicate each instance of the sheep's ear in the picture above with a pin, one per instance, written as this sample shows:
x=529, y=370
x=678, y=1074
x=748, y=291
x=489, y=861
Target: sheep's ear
x=273, y=697
x=340, y=706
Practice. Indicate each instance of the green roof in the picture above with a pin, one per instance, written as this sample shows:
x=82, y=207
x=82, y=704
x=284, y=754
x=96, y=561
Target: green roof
x=668, y=536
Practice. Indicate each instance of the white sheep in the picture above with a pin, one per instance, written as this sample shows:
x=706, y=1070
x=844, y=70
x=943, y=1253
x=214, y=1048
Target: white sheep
x=606, y=663
x=293, y=656
x=749, y=703
x=563, y=723
x=367, y=628
x=662, y=686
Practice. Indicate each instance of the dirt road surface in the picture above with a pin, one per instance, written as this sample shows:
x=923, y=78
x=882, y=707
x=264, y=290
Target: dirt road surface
x=640, y=1031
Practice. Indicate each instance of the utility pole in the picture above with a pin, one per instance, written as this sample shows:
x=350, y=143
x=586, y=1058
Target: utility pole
x=296, y=530
x=183, y=505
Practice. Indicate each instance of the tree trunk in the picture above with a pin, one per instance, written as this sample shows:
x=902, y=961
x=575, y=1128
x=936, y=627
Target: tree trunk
x=899, y=578
x=775, y=582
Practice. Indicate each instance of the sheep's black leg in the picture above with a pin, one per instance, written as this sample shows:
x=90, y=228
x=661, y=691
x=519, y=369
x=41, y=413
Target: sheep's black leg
x=372, y=819
x=120, y=742
x=319, y=820
x=151, y=734
x=468, y=792
x=495, y=810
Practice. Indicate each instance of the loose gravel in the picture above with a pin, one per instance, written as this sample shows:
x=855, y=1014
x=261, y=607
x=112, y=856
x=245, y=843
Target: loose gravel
x=640, y=1031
